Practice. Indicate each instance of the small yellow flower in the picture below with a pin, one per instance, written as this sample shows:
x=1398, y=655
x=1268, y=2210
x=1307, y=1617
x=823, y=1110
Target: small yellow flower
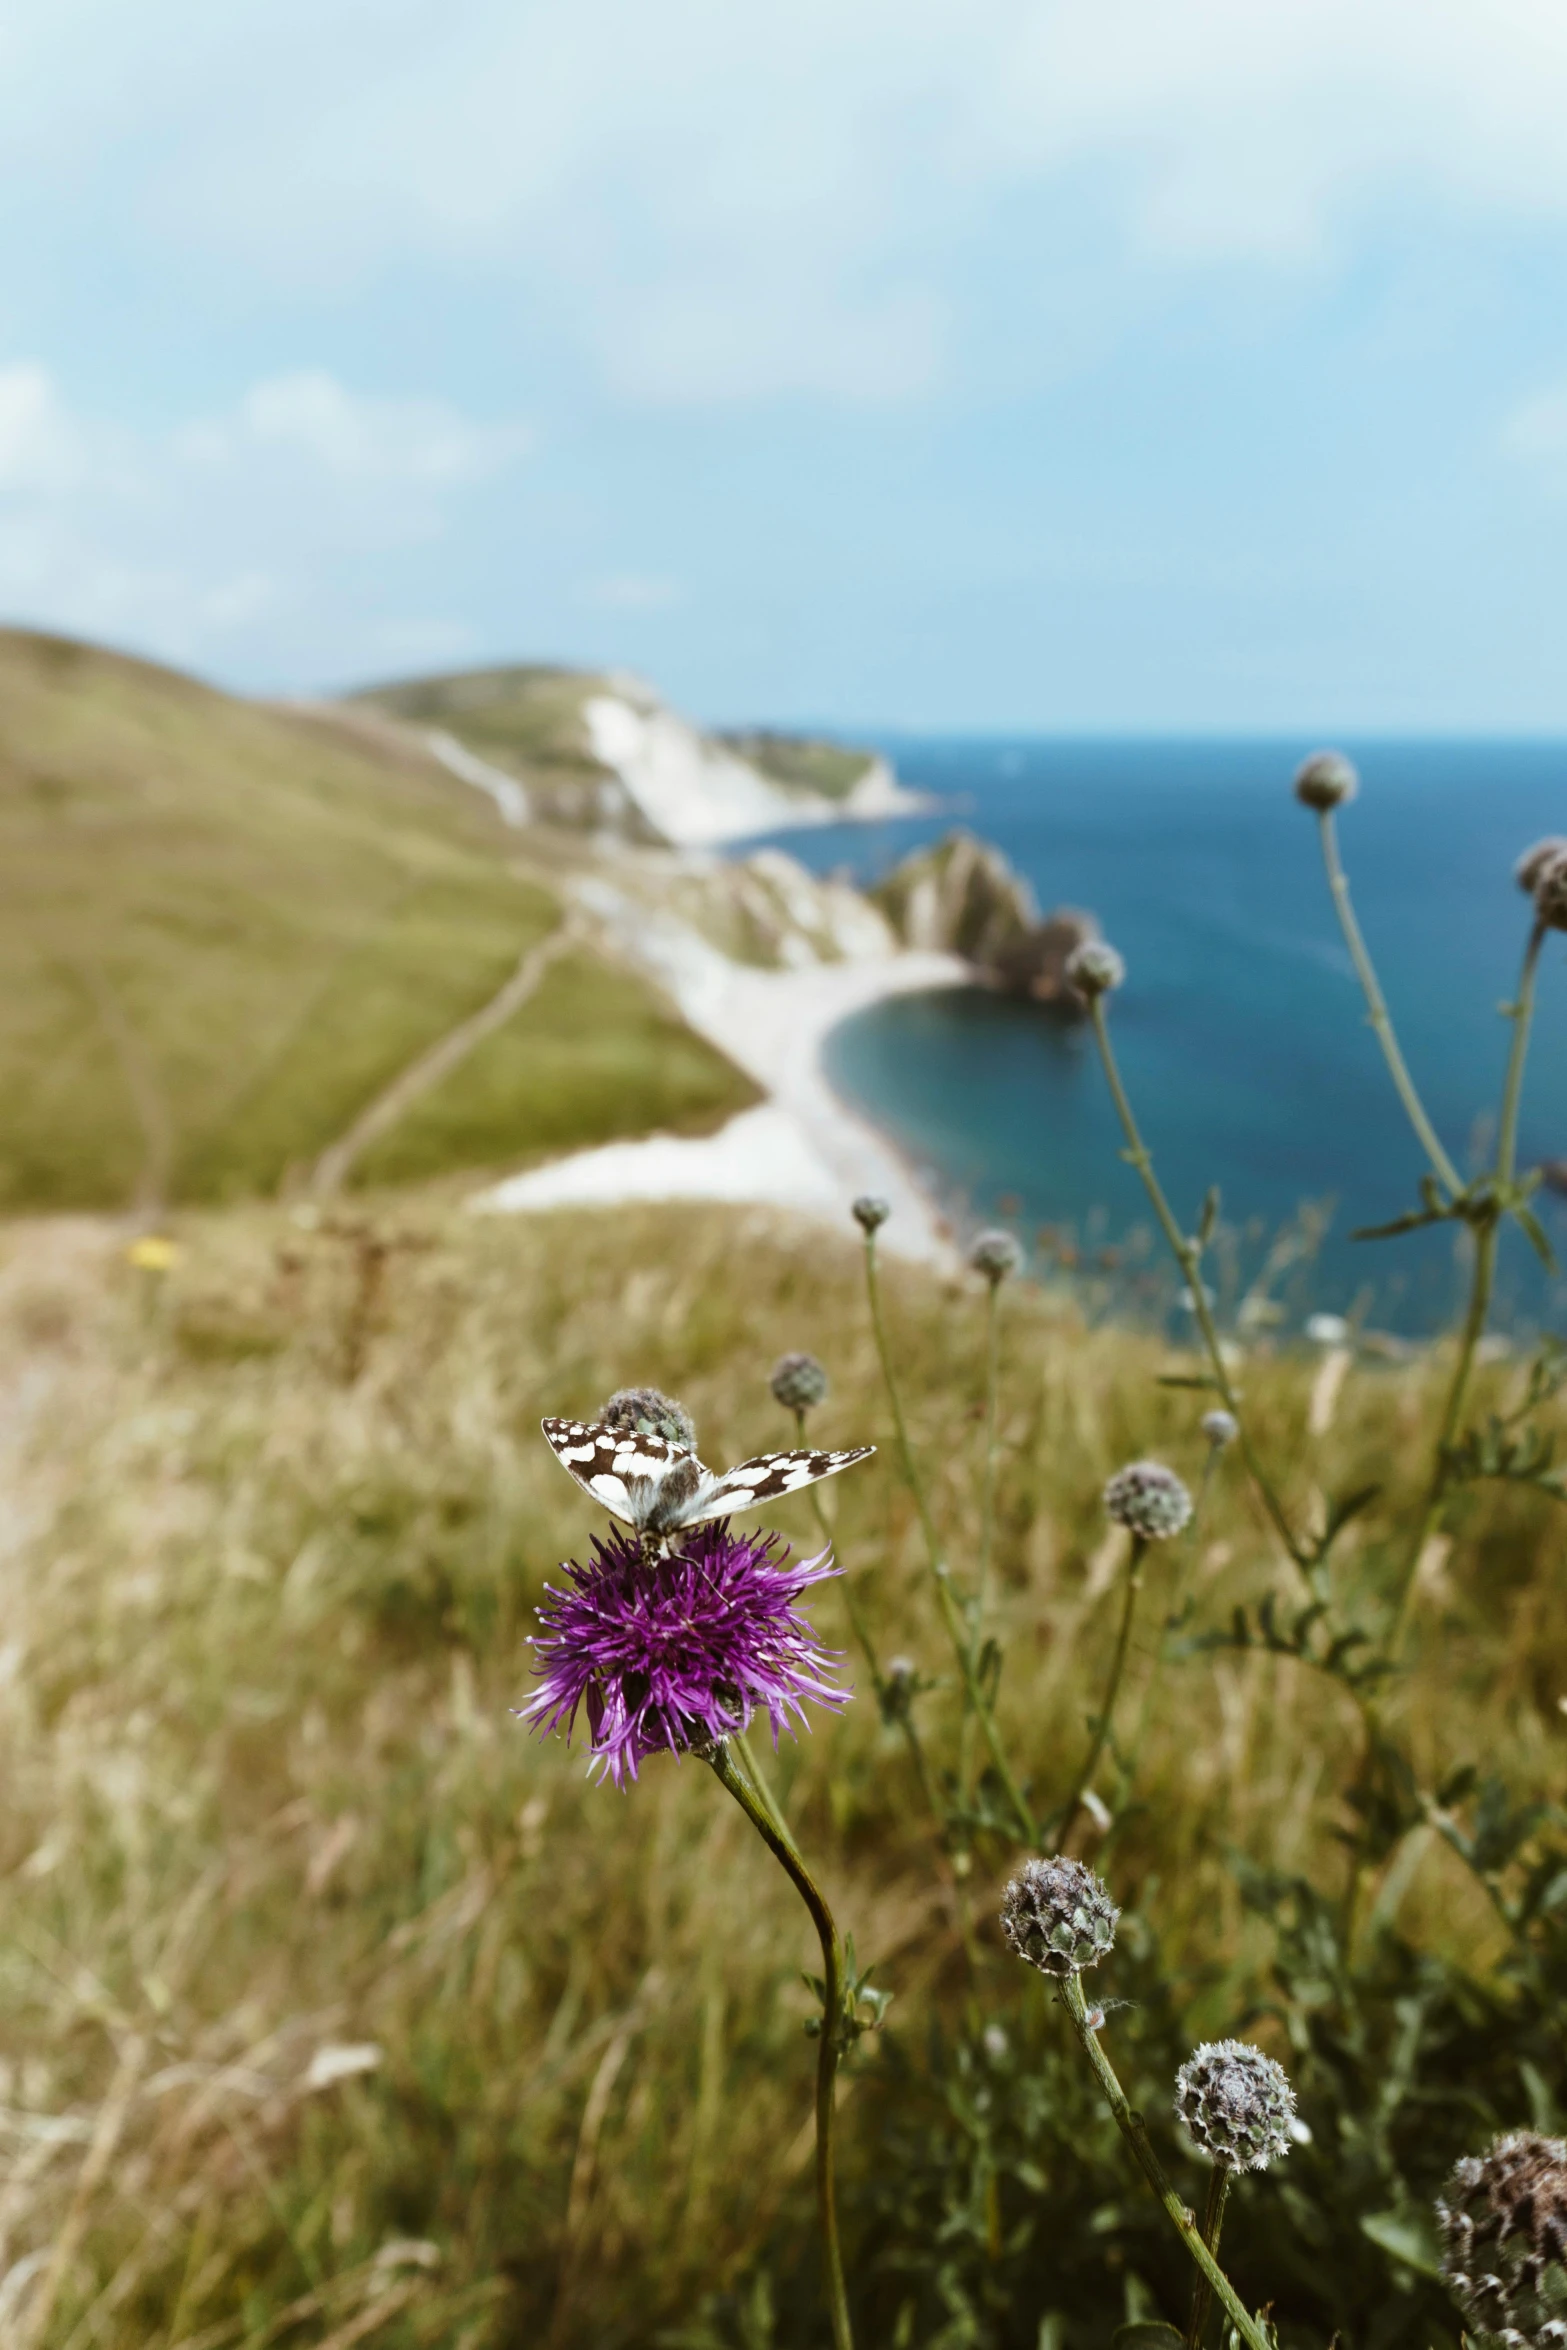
x=152, y=1253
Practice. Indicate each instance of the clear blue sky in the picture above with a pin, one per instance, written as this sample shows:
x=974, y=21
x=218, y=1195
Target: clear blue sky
x=960, y=363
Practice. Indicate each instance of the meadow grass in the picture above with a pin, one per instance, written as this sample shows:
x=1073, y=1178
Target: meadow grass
x=224, y=928
x=336, y=2007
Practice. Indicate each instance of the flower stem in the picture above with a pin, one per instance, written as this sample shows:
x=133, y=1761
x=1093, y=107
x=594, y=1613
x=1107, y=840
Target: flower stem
x=829, y=2046
x=1135, y=2131
x=1481, y=1282
x=987, y=1528
x=952, y=1615
x=1376, y=1006
x=764, y=1791
x=1189, y=1257
x=1101, y=1730
x=1186, y=1554
x=1212, y=2227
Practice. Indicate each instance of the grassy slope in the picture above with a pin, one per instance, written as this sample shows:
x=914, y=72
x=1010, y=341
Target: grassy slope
x=525, y=719
x=264, y=1626
x=225, y=927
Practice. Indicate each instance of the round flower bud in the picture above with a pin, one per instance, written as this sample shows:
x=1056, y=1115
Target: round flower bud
x=798, y=1382
x=1094, y=968
x=868, y=1211
x=1148, y=1499
x=995, y=1254
x=1532, y=865
x=644, y=1411
x=1325, y=780
x=1237, y=2104
x=1503, y=2221
x=1220, y=1428
x=1550, y=895
x=1058, y=1916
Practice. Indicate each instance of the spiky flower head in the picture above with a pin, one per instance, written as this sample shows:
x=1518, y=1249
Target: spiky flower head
x=1503, y=2219
x=1325, y=780
x=798, y=1382
x=995, y=1254
x=1149, y=1500
x=1220, y=1428
x=672, y=1653
x=1535, y=860
x=1236, y=2103
x=1058, y=1916
x=869, y=1212
x=644, y=1411
x=1094, y=968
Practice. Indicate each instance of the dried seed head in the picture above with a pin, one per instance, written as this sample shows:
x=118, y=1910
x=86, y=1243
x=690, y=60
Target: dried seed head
x=1094, y=968
x=1148, y=1499
x=1503, y=2219
x=1220, y=1428
x=1236, y=2103
x=1325, y=780
x=995, y=1254
x=798, y=1382
x=645, y=1411
x=1532, y=865
x=869, y=1211
x=1058, y=1916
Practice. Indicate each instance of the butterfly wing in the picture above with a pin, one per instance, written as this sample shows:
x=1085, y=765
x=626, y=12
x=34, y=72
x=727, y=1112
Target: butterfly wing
x=624, y=1473
x=767, y=1478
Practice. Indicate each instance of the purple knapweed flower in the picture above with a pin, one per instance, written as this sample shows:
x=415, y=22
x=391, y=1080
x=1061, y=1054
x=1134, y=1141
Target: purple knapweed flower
x=666, y=1654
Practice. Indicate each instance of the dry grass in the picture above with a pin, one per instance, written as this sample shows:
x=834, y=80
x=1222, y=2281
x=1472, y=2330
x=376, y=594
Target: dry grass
x=337, y=2008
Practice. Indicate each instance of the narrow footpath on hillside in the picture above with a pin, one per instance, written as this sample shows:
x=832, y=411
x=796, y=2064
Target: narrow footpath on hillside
x=333, y=1167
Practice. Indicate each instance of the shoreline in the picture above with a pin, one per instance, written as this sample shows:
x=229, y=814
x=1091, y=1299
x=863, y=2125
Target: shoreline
x=802, y=1147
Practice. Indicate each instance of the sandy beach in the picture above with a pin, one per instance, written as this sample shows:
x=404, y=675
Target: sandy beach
x=803, y=1148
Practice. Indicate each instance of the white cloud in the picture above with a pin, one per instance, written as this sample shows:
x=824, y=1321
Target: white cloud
x=227, y=525
x=633, y=591
x=40, y=448
x=726, y=202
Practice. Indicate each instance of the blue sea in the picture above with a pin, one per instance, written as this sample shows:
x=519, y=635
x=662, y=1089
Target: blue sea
x=1241, y=1029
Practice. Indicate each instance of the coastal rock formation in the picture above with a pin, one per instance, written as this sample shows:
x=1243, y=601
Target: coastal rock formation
x=962, y=897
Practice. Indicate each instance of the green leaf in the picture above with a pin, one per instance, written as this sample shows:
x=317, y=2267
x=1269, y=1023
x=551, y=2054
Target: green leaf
x=1410, y=2236
x=1536, y=1237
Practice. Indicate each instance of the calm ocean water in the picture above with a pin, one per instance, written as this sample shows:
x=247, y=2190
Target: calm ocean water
x=1240, y=1029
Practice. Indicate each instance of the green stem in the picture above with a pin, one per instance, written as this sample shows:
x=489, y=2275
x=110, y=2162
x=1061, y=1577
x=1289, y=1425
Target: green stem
x=1189, y=1257
x=1212, y=2229
x=987, y=1529
x=1376, y=1007
x=1186, y=1553
x=952, y=1617
x=1134, y=2130
x=829, y=2046
x=1101, y=1731
x=857, y=1625
x=1482, y=1280
x=759, y=1780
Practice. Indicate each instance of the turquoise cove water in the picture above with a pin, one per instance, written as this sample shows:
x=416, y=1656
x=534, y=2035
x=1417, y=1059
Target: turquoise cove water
x=1241, y=1030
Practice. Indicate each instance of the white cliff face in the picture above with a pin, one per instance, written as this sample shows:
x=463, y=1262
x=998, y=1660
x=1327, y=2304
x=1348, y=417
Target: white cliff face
x=696, y=793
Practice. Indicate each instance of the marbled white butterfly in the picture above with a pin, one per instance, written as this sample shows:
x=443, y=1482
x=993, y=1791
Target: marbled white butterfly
x=656, y=1487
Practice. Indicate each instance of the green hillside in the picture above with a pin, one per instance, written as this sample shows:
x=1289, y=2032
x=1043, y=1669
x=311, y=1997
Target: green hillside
x=226, y=927
x=527, y=720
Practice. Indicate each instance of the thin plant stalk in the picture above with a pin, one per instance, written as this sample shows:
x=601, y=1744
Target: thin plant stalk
x=1481, y=1283
x=1189, y=1257
x=1212, y=2229
x=952, y=1615
x=1101, y=1730
x=987, y=1527
x=858, y=1626
x=1135, y=2131
x=1186, y=1554
x=1376, y=1007
x=759, y=1780
x=829, y=2046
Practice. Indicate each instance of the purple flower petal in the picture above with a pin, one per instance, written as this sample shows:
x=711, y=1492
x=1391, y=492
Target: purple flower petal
x=665, y=1654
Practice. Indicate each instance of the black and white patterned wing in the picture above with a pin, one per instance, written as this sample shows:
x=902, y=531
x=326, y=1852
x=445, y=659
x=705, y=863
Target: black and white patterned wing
x=768, y=1478
x=624, y=1472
